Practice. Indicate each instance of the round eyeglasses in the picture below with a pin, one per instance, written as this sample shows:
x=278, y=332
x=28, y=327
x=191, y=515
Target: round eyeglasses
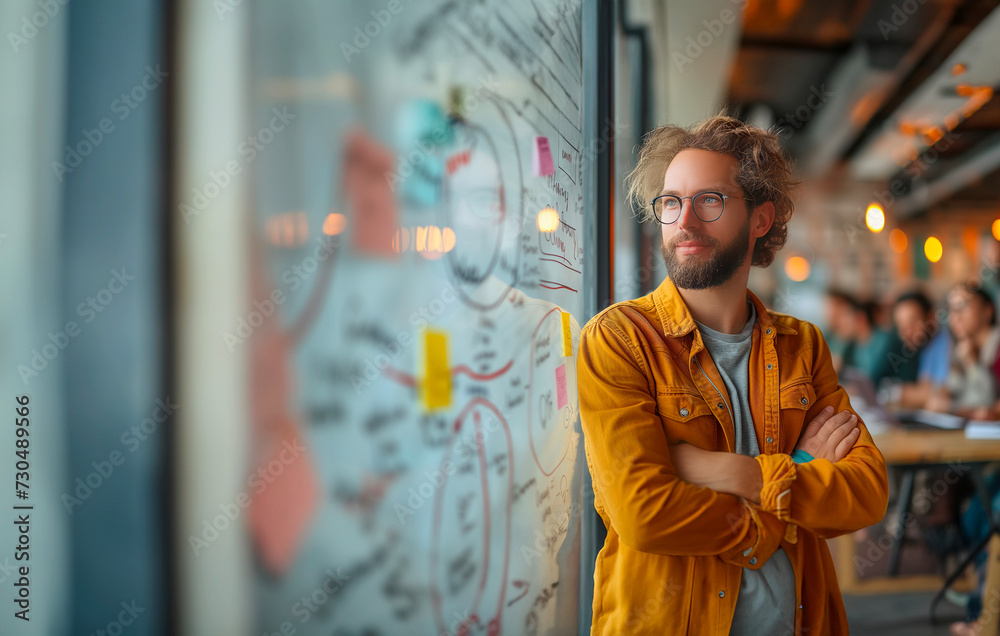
x=708, y=206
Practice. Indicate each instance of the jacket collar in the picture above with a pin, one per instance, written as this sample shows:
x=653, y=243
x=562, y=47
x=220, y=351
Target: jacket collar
x=677, y=321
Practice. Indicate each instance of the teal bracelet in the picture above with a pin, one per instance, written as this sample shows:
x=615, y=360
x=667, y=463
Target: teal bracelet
x=799, y=456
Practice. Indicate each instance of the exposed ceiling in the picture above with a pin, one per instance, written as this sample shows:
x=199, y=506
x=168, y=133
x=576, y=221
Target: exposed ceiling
x=902, y=92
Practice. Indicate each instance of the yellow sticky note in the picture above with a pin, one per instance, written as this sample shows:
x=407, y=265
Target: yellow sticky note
x=436, y=375
x=567, y=335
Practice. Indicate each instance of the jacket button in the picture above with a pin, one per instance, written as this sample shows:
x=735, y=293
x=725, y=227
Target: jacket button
x=770, y=440
x=684, y=412
x=804, y=401
x=800, y=607
x=753, y=560
x=768, y=332
x=769, y=366
x=721, y=594
x=719, y=405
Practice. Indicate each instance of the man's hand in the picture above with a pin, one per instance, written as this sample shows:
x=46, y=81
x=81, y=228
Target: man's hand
x=721, y=471
x=830, y=436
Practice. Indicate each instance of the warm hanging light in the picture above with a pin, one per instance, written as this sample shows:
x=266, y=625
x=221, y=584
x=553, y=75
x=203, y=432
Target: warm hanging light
x=897, y=240
x=933, y=249
x=875, y=218
x=797, y=268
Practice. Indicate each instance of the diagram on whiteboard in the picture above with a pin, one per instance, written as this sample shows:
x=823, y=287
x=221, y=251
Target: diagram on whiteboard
x=432, y=357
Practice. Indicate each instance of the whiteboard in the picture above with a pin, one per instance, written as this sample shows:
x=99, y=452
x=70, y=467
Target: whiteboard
x=397, y=195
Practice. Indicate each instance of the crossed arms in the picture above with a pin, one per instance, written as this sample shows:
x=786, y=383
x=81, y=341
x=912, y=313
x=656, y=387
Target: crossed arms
x=681, y=500
x=827, y=436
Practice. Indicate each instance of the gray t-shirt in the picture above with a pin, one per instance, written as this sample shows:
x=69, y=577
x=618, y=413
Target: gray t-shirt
x=766, y=602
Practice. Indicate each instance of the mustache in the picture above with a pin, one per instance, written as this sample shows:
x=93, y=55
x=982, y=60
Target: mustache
x=688, y=236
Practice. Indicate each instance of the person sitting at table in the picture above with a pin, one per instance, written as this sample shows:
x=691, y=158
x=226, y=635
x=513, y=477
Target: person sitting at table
x=924, y=361
x=839, y=332
x=872, y=345
x=972, y=318
x=971, y=387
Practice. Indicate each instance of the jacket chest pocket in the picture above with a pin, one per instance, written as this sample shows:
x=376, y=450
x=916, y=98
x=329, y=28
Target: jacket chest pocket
x=794, y=399
x=687, y=418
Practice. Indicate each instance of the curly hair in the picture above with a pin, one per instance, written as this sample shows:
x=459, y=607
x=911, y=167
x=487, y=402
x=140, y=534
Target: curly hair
x=764, y=173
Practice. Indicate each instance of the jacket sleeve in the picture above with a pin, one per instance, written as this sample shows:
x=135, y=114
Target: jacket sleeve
x=827, y=498
x=636, y=487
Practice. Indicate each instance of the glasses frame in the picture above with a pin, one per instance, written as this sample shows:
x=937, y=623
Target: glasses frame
x=652, y=204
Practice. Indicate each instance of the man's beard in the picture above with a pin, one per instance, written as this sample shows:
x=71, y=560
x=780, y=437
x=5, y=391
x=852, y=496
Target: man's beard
x=720, y=267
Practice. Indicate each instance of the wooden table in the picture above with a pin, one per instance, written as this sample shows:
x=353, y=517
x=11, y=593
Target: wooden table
x=920, y=447
x=910, y=449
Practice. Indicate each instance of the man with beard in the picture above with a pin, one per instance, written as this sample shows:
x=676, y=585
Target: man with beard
x=722, y=450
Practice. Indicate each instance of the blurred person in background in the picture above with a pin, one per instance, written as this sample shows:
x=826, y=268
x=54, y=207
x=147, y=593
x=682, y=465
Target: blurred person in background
x=971, y=386
x=839, y=333
x=924, y=361
x=976, y=356
x=872, y=345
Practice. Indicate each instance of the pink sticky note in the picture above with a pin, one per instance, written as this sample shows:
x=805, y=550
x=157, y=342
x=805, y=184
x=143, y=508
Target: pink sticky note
x=561, y=397
x=284, y=499
x=543, y=158
x=368, y=171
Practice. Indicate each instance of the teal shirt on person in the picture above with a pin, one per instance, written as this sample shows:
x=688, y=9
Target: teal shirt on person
x=872, y=358
x=928, y=363
x=838, y=348
x=904, y=363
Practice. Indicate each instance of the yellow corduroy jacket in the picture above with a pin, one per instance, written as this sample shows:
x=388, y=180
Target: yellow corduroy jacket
x=674, y=553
